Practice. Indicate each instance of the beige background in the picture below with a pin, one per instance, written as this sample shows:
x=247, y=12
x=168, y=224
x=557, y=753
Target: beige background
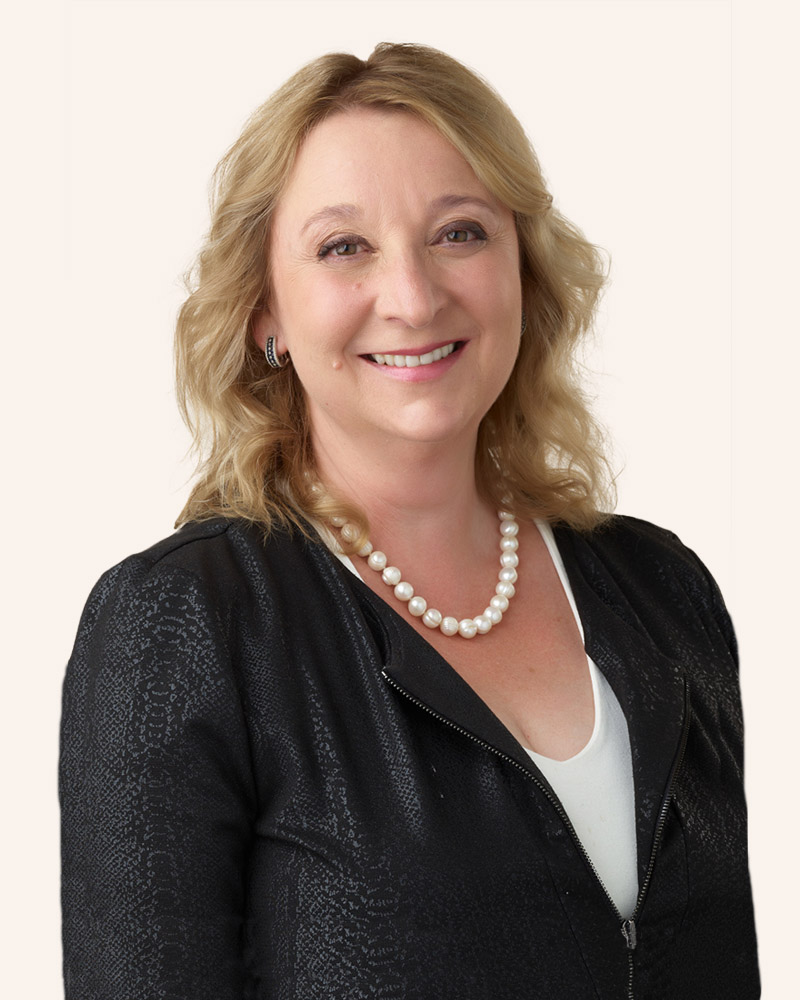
x=651, y=119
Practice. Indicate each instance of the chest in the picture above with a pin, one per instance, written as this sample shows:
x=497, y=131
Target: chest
x=531, y=670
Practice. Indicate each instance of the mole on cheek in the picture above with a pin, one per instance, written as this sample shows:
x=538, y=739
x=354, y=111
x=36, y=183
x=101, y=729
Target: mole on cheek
x=337, y=365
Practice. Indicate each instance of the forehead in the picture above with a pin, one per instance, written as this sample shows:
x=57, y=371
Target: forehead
x=369, y=157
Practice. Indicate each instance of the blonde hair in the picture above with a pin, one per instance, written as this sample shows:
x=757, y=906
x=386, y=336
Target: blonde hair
x=539, y=451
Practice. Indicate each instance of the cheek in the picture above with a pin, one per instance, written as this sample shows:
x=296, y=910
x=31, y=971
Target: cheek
x=496, y=281
x=325, y=315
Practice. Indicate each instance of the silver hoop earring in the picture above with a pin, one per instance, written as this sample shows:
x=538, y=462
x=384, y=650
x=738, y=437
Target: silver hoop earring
x=272, y=358
x=524, y=323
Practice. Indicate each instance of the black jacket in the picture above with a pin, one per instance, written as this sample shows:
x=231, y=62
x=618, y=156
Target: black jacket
x=273, y=788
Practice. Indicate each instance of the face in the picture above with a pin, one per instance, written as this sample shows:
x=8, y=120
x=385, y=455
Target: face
x=394, y=284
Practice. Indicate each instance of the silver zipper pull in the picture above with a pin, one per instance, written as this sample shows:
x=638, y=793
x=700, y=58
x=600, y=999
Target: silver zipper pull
x=629, y=933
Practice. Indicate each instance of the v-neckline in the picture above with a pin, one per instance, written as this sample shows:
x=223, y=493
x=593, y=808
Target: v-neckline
x=649, y=686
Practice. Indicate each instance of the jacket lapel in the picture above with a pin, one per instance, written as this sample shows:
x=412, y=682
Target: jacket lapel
x=413, y=666
x=417, y=668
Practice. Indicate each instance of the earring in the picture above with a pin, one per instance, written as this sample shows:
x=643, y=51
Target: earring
x=272, y=358
x=524, y=323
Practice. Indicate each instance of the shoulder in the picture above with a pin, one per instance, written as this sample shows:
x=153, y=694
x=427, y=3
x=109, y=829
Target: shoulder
x=204, y=549
x=223, y=571
x=221, y=554
x=634, y=545
x=195, y=556
x=145, y=600
x=645, y=572
x=187, y=613
x=205, y=574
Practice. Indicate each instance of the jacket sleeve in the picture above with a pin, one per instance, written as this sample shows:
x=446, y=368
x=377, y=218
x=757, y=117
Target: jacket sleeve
x=720, y=613
x=156, y=793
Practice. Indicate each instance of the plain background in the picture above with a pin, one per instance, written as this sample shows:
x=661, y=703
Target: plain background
x=665, y=128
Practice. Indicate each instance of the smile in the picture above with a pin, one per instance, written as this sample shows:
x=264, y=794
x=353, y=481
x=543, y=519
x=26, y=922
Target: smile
x=413, y=360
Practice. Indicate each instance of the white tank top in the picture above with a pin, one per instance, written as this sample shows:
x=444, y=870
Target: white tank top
x=596, y=785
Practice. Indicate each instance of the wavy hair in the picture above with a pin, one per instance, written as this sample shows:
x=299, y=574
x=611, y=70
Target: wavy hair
x=539, y=451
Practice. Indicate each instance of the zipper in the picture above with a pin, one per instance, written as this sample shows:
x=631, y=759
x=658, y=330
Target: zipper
x=627, y=927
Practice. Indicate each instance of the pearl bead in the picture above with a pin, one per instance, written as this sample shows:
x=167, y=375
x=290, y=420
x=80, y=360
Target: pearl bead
x=365, y=549
x=508, y=575
x=449, y=626
x=505, y=516
x=377, y=560
x=349, y=532
x=500, y=602
x=509, y=544
x=467, y=628
x=432, y=618
x=506, y=559
x=417, y=605
x=483, y=623
x=506, y=589
x=403, y=591
x=494, y=614
x=391, y=576
x=338, y=521
x=508, y=528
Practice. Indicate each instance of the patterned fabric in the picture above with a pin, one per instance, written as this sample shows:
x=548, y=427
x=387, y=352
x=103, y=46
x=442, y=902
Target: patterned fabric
x=273, y=789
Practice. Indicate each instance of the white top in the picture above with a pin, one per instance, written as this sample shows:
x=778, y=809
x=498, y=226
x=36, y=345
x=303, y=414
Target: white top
x=596, y=785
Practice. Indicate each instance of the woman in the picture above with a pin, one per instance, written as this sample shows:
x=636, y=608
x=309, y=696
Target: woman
x=285, y=773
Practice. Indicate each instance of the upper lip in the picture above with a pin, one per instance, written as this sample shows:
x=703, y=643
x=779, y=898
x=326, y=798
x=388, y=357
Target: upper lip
x=413, y=350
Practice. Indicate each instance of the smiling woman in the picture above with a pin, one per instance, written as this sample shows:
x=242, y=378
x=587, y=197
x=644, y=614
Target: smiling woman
x=254, y=431
x=284, y=772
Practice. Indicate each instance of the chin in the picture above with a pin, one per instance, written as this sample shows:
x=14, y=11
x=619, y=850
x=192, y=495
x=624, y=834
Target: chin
x=436, y=429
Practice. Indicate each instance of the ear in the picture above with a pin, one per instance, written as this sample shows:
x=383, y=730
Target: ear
x=266, y=325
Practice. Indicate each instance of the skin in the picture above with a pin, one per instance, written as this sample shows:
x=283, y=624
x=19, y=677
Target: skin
x=385, y=242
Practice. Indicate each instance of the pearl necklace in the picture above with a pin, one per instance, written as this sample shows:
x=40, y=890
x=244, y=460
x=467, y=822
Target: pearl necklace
x=418, y=606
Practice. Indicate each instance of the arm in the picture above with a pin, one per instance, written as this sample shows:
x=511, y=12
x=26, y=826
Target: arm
x=156, y=794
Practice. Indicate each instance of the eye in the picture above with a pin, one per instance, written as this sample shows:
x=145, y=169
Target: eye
x=342, y=246
x=464, y=233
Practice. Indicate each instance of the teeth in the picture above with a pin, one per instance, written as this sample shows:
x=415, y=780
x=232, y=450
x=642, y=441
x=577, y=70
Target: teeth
x=413, y=360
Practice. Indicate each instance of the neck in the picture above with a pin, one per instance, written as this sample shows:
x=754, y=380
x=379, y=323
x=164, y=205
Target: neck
x=410, y=490
x=425, y=515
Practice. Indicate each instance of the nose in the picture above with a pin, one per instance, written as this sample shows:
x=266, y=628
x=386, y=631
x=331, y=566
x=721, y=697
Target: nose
x=408, y=290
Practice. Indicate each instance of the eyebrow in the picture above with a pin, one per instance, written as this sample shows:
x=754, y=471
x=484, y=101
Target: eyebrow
x=346, y=211
x=457, y=200
x=341, y=213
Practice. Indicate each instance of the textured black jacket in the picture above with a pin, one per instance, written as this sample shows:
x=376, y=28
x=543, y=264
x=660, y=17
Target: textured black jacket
x=273, y=788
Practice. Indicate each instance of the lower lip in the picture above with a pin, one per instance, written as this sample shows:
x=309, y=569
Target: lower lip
x=420, y=373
